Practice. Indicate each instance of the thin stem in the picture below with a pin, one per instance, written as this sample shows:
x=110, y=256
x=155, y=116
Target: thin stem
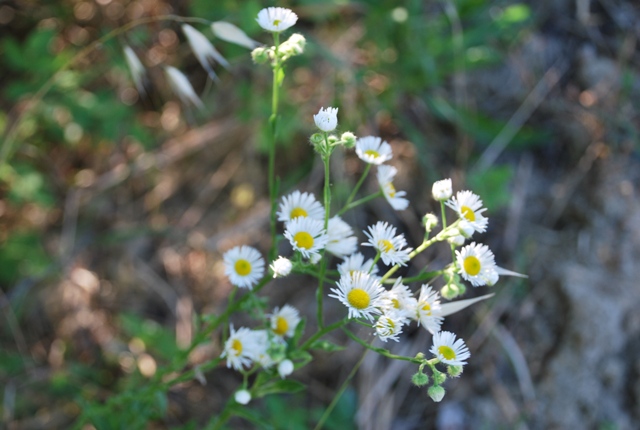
x=381, y=351
x=359, y=184
x=5, y=151
x=359, y=202
x=444, y=225
x=336, y=325
x=421, y=277
x=340, y=392
x=273, y=121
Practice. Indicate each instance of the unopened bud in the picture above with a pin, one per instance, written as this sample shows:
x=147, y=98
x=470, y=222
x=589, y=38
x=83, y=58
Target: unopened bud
x=436, y=393
x=442, y=190
x=466, y=229
x=419, y=379
x=439, y=378
x=243, y=397
x=285, y=368
x=348, y=139
x=454, y=371
x=260, y=55
x=457, y=240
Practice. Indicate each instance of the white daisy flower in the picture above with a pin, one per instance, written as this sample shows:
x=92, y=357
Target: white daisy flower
x=136, y=68
x=241, y=348
x=469, y=207
x=230, y=33
x=261, y=353
x=385, y=179
x=399, y=300
x=383, y=238
x=284, y=321
x=306, y=235
x=356, y=263
x=276, y=19
x=285, y=368
x=326, y=119
x=342, y=242
x=281, y=267
x=449, y=350
x=182, y=87
x=242, y=396
x=299, y=204
x=428, y=309
x=476, y=264
x=389, y=326
x=244, y=266
x=360, y=293
x=373, y=150
x=442, y=190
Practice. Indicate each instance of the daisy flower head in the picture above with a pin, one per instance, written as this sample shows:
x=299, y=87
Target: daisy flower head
x=476, y=264
x=360, y=293
x=306, y=235
x=449, y=350
x=385, y=179
x=276, y=19
x=263, y=345
x=373, y=150
x=356, y=263
x=382, y=237
x=399, y=300
x=469, y=208
x=326, y=119
x=241, y=348
x=244, y=266
x=428, y=309
x=281, y=267
x=442, y=190
x=299, y=204
x=342, y=242
x=389, y=326
x=284, y=321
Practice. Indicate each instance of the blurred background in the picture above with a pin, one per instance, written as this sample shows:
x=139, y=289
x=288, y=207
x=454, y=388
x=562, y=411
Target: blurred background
x=115, y=206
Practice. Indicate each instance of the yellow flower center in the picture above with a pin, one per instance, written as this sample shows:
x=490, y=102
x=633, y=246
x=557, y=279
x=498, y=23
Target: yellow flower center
x=468, y=213
x=472, y=265
x=276, y=22
x=427, y=308
x=236, y=345
x=243, y=267
x=447, y=352
x=297, y=212
x=396, y=303
x=358, y=298
x=303, y=240
x=372, y=153
x=385, y=245
x=391, y=190
x=281, y=326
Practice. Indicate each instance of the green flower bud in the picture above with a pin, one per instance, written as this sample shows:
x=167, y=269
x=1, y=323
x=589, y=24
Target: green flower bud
x=260, y=55
x=430, y=221
x=348, y=139
x=436, y=393
x=419, y=379
x=439, y=378
x=454, y=371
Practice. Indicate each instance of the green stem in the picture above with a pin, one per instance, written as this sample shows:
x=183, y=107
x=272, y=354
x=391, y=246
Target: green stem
x=381, y=351
x=340, y=392
x=326, y=159
x=359, y=184
x=359, y=202
x=273, y=121
x=336, y=325
x=421, y=277
x=444, y=226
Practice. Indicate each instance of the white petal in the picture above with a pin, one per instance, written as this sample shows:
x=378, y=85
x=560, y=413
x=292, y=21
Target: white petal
x=458, y=305
x=230, y=33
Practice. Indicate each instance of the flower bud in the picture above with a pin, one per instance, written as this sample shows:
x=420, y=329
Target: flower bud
x=281, y=267
x=442, y=190
x=315, y=258
x=436, y=393
x=454, y=371
x=260, y=55
x=243, y=397
x=492, y=278
x=326, y=119
x=285, y=368
x=419, y=379
x=430, y=221
x=466, y=229
x=439, y=378
x=457, y=240
x=348, y=139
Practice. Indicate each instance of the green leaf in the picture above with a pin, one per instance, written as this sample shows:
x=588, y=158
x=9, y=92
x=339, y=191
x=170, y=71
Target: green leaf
x=282, y=386
x=299, y=331
x=251, y=416
x=280, y=76
x=325, y=345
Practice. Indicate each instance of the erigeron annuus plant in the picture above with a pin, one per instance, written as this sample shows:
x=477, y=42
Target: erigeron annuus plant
x=324, y=246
